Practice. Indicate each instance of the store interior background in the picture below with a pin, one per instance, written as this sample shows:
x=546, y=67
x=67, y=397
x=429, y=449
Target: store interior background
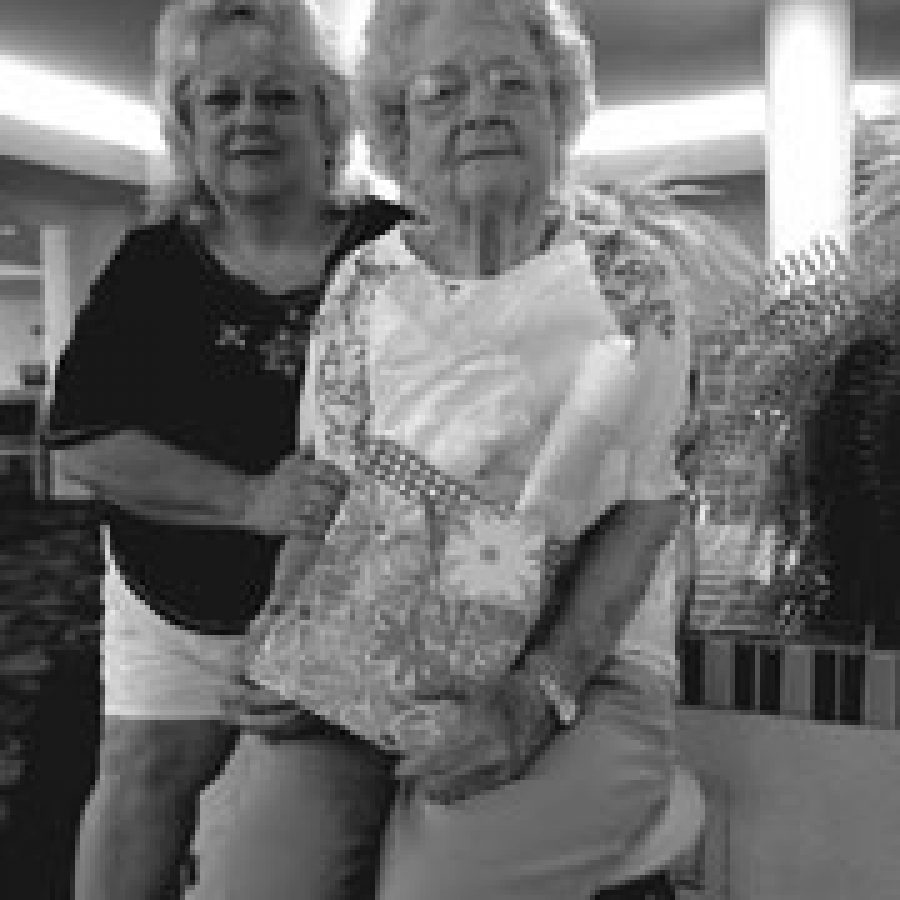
x=798, y=808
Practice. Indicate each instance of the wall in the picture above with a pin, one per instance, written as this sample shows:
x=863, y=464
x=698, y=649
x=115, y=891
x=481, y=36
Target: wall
x=810, y=810
x=740, y=204
x=95, y=213
x=89, y=217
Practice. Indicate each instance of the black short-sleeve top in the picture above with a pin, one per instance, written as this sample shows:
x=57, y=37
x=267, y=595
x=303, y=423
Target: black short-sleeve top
x=172, y=344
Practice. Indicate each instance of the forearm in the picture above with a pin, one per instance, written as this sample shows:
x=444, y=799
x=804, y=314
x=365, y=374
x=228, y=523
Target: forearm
x=605, y=588
x=143, y=474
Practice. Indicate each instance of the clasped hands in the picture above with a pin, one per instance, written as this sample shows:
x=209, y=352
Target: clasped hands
x=503, y=726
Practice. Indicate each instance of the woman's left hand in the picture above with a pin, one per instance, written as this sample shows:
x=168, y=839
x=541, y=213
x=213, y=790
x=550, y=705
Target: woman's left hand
x=260, y=711
x=502, y=729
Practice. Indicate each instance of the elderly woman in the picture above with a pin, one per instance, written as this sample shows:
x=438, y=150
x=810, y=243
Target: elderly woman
x=556, y=771
x=175, y=403
x=477, y=313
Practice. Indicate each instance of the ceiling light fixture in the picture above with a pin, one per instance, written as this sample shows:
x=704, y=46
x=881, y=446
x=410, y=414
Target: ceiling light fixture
x=59, y=103
x=55, y=102
x=613, y=131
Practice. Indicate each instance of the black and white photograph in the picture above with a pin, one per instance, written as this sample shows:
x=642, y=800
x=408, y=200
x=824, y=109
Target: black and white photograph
x=310, y=588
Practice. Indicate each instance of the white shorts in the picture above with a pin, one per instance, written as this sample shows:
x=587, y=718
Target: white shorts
x=153, y=669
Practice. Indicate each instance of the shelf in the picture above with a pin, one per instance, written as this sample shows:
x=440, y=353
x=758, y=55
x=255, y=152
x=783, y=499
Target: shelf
x=10, y=272
x=21, y=394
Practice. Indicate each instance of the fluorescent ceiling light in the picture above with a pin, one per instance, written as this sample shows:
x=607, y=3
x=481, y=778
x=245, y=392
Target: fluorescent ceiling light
x=619, y=129
x=59, y=103
x=613, y=131
x=56, y=102
x=877, y=99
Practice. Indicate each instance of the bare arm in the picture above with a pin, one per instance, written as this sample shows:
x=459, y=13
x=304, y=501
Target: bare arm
x=142, y=474
x=606, y=587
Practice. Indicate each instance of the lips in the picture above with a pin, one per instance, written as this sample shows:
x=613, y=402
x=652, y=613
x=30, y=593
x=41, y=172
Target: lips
x=255, y=151
x=486, y=144
x=487, y=153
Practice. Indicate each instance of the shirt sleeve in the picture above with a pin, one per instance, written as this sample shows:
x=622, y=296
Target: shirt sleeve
x=327, y=415
x=662, y=398
x=102, y=384
x=637, y=463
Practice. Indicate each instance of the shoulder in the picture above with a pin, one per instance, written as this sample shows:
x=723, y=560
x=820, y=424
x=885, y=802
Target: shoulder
x=640, y=285
x=365, y=269
x=374, y=216
x=372, y=220
x=382, y=253
x=138, y=277
x=135, y=264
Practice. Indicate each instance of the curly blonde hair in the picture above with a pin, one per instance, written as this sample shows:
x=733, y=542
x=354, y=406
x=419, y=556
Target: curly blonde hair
x=385, y=64
x=290, y=26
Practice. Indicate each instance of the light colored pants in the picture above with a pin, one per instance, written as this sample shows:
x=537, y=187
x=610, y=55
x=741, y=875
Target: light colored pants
x=578, y=813
x=298, y=820
x=553, y=835
x=303, y=820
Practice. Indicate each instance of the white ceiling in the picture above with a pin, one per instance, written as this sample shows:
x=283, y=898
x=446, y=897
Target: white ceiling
x=646, y=49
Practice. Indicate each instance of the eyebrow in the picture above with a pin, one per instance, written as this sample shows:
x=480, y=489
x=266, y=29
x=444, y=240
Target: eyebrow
x=276, y=82
x=485, y=64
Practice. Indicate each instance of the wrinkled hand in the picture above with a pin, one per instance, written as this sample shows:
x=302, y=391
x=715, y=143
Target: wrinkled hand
x=502, y=729
x=260, y=711
x=299, y=496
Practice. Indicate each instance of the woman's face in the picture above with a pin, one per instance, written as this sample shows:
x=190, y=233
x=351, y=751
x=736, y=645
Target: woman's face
x=255, y=127
x=482, y=125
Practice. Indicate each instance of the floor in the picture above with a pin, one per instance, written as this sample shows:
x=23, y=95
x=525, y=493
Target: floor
x=50, y=571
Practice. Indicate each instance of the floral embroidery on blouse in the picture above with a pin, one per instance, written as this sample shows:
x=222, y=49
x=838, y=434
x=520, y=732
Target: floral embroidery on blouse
x=633, y=283
x=284, y=352
x=231, y=335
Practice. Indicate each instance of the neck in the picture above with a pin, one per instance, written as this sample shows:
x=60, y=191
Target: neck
x=270, y=225
x=481, y=238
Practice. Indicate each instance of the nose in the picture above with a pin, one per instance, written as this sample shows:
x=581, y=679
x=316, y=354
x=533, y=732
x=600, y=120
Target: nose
x=250, y=112
x=481, y=101
x=484, y=125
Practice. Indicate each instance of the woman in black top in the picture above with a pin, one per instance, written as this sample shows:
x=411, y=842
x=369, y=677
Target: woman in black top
x=176, y=404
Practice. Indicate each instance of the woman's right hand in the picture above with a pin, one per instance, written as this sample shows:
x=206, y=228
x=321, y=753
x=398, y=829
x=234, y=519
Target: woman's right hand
x=300, y=496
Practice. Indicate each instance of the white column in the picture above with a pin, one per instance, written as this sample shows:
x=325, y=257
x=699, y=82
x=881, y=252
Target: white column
x=58, y=319
x=56, y=281
x=348, y=16
x=809, y=166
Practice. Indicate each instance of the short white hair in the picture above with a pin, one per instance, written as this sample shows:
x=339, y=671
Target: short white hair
x=290, y=25
x=385, y=63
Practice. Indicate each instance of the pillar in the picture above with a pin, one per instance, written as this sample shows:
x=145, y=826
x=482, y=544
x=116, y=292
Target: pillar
x=809, y=139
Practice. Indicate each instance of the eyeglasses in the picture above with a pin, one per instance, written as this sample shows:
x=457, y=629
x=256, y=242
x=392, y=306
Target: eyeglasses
x=443, y=89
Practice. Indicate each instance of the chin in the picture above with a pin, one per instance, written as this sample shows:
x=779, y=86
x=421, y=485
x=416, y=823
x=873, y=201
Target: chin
x=497, y=179
x=262, y=190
